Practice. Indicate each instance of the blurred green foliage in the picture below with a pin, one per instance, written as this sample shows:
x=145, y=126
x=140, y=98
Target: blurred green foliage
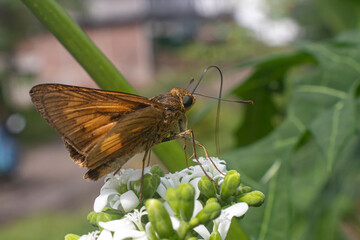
x=45, y=226
x=325, y=18
x=308, y=165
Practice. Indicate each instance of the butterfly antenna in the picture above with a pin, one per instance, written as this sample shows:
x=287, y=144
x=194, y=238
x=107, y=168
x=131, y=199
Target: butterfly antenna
x=191, y=82
x=225, y=100
x=218, y=106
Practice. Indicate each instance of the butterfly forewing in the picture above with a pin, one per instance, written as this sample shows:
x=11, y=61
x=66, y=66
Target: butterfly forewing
x=85, y=117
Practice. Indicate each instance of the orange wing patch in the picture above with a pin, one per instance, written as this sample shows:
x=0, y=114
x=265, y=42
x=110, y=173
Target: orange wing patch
x=127, y=137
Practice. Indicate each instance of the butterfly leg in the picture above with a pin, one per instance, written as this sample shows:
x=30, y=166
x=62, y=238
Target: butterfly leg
x=117, y=170
x=206, y=153
x=142, y=173
x=191, y=133
x=148, y=162
x=186, y=158
x=194, y=143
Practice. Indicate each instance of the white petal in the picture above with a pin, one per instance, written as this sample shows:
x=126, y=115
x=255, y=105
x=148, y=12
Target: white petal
x=237, y=210
x=144, y=237
x=194, y=183
x=128, y=233
x=161, y=190
x=221, y=167
x=129, y=200
x=203, y=232
x=187, y=178
x=117, y=225
x=168, y=208
x=136, y=175
x=86, y=237
x=197, y=208
x=224, y=220
x=100, y=202
x=90, y=236
x=147, y=227
x=175, y=222
x=223, y=227
x=168, y=183
x=111, y=184
x=116, y=205
x=108, y=191
x=197, y=170
x=105, y=235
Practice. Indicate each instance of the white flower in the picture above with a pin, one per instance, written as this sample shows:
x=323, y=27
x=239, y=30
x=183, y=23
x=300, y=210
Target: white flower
x=224, y=220
x=90, y=236
x=105, y=235
x=210, y=168
x=128, y=227
x=222, y=223
x=192, y=175
x=136, y=216
x=110, y=195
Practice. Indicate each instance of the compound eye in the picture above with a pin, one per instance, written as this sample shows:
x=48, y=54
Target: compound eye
x=187, y=101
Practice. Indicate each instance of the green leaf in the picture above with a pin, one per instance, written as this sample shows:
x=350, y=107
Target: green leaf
x=271, y=68
x=254, y=161
x=266, y=82
x=332, y=130
x=300, y=165
x=236, y=231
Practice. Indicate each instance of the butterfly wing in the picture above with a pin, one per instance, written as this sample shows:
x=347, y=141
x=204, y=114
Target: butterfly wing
x=83, y=116
x=133, y=133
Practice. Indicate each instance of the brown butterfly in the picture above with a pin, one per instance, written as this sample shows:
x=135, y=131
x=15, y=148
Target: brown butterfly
x=102, y=129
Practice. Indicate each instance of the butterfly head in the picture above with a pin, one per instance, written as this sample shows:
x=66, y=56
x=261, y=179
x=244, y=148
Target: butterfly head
x=186, y=98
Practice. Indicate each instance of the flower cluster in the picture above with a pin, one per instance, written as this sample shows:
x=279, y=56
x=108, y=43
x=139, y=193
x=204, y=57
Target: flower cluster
x=182, y=205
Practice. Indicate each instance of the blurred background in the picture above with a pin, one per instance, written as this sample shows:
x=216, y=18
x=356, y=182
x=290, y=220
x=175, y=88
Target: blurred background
x=278, y=53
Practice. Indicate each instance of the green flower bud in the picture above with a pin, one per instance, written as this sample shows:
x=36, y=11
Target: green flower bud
x=159, y=219
x=122, y=188
x=230, y=184
x=253, y=199
x=94, y=218
x=172, y=200
x=211, y=200
x=215, y=236
x=150, y=184
x=183, y=229
x=114, y=213
x=243, y=189
x=211, y=210
x=151, y=233
x=207, y=187
x=186, y=196
x=156, y=169
x=71, y=236
x=192, y=238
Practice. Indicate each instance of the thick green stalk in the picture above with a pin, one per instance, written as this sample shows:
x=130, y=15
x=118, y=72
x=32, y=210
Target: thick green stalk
x=103, y=72
x=79, y=45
